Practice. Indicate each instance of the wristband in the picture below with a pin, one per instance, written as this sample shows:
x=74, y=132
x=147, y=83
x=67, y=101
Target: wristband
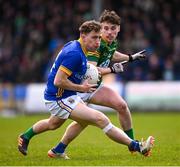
x=130, y=58
x=112, y=69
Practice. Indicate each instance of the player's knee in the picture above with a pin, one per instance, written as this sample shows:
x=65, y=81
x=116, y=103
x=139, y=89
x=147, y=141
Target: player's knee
x=53, y=125
x=101, y=120
x=122, y=107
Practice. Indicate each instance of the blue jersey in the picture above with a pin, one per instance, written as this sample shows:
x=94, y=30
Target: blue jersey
x=72, y=60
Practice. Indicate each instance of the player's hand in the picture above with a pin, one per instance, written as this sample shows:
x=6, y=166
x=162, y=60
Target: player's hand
x=99, y=72
x=137, y=56
x=117, y=68
x=86, y=87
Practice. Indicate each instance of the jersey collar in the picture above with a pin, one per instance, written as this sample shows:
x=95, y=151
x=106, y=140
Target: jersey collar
x=82, y=46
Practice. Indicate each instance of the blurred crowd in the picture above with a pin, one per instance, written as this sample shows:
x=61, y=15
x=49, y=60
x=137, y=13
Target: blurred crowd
x=155, y=26
x=33, y=31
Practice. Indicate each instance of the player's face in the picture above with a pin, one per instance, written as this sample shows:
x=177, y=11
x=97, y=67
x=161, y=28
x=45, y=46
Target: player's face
x=91, y=40
x=109, y=31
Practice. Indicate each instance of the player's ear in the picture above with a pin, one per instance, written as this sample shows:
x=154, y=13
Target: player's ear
x=119, y=28
x=83, y=35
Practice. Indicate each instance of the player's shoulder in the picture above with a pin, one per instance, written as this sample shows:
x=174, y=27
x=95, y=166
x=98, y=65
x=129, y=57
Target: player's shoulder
x=73, y=52
x=72, y=46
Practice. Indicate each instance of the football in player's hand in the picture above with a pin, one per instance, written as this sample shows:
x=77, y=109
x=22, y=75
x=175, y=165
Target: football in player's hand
x=92, y=74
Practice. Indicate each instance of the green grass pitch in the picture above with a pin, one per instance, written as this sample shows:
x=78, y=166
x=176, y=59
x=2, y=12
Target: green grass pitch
x=92, y=147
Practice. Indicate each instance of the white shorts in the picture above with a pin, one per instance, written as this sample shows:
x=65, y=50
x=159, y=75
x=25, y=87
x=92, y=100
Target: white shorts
x=87, y=96
x=63, y=107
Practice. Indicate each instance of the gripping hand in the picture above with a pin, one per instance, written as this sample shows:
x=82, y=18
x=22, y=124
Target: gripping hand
x=137, y=56
x=117, y=68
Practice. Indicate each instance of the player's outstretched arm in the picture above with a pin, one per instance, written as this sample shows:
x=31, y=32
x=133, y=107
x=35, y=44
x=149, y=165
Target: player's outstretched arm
x=120, y=57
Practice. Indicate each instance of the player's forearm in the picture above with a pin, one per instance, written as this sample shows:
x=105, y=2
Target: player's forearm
x=68, y=85
x=104, y=71
x=61, y=81
x=120, y=57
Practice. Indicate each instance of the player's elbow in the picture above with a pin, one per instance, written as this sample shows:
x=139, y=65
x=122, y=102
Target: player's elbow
x=58, y=83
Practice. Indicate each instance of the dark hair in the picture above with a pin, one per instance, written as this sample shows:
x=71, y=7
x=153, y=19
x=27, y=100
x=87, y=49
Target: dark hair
x=110, y=17
x=89, y=26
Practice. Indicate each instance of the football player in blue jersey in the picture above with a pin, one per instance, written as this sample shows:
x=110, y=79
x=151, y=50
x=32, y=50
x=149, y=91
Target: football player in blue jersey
x=62, y=101
x=101, y=58
x=64, y=81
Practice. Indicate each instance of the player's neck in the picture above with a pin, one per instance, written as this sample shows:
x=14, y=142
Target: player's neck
x=82, y=46
x=108, y=43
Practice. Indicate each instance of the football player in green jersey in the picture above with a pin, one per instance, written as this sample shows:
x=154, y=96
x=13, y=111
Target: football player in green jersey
x=106, y=53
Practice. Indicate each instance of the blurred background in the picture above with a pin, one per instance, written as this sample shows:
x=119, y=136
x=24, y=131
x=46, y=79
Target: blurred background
x=33, y=31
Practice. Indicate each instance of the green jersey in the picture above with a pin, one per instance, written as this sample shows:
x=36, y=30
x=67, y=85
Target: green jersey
x=103, y=54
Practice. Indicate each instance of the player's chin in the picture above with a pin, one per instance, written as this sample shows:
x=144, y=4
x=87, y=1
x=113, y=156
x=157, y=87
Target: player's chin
x=110, y=40
x=93, y=48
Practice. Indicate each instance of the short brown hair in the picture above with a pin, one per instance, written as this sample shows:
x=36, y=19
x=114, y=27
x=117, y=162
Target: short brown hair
x=89, y=26
x=110, y=17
